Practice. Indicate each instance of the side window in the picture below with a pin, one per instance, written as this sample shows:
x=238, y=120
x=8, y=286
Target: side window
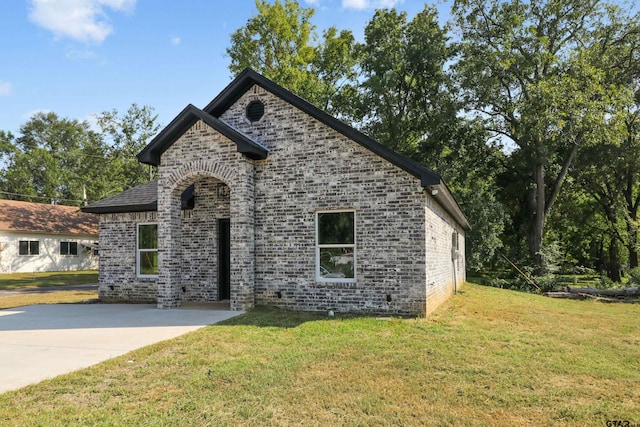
x=147, y=250
x=29, y=247
x=335, y=246
x=69, y=248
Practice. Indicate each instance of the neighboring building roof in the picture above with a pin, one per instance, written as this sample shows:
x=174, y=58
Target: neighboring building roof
x=137, y=199
x=44, y=218
x=183, y=122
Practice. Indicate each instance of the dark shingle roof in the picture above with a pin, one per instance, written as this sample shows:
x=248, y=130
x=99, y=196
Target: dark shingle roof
x=44, y=218
x=252, y=149
x=137, y=199
x=429, y=180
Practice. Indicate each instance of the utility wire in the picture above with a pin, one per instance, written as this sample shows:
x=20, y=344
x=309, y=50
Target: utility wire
x=40, y=197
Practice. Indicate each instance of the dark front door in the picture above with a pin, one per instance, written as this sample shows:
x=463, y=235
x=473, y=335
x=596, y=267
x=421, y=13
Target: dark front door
x=224, y=259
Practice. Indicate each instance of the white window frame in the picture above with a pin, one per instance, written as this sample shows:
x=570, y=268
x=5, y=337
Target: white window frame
x=319, y=277
x=138, y=251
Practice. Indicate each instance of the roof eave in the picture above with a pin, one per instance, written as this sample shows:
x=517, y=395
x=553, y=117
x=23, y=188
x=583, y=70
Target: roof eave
x=247, y=78
x=121, y=209
x=441, y=193
x=188, y=117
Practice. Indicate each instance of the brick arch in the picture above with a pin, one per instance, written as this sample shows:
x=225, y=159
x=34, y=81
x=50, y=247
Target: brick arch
x=200, y=167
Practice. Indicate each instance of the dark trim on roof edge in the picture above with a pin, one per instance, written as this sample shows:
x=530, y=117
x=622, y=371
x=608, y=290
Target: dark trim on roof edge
x=445, y=199
x=187, y=118
x=428, y=179
x=248, y=78
x=120, y=209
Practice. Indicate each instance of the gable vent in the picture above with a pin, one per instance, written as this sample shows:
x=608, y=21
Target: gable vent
x=255, y=111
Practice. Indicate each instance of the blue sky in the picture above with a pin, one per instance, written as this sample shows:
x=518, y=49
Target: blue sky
x=78, y=58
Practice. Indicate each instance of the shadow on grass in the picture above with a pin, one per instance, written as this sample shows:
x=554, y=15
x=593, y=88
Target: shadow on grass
x=46, y=280
x=271, y=317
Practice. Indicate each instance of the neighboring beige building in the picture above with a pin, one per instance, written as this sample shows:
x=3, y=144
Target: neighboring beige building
x=264, y=199
x=37, y=237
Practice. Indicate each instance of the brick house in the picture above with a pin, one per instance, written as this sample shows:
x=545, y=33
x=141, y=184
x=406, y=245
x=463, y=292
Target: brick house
x=263, y=199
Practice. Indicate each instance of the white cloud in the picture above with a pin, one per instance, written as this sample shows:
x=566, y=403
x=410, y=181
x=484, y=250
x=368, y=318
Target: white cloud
x=32, y=113
x=81, y=55
x=176, y=41
x=5, y=88
x=370, y=4
x=83, y=20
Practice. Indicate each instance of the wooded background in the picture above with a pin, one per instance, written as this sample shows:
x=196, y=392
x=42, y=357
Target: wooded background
x=527, y=109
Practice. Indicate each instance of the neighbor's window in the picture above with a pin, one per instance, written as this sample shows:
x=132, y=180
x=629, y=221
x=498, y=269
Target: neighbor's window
x=68, y=248
x=335, y=246
x=147, y=253
x=29, y=247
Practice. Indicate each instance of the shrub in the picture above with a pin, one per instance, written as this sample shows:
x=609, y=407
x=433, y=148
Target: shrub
x=547, y=283
x=634, y=276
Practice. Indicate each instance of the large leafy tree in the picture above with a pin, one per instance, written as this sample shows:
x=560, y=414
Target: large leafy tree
x=43, y=162
x=280, y=42
x=125, y=135
x=525, y=74
x=59, y=160
x=408, y=102
x=405, y=95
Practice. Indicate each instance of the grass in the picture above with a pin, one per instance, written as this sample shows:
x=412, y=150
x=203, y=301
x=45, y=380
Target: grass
x=59, y=297
x=487, y=357
x=42, y=280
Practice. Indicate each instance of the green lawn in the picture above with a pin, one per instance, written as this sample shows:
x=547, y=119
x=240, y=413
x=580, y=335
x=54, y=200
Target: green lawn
x=58, y=297
x=488, y=357
x=39, y=280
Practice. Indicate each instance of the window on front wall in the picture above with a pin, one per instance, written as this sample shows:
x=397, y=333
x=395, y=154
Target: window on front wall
x=147, y=250
x=69, y=248
x=335, y=246
x=29, y=247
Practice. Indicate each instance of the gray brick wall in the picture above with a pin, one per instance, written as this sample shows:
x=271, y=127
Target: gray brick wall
x=403, y=237
x=117, y=276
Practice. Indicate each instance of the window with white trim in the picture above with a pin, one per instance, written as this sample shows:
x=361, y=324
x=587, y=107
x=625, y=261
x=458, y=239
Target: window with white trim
x=29, y=247
x=336, y=246
x=69, y=248
x=147, y=250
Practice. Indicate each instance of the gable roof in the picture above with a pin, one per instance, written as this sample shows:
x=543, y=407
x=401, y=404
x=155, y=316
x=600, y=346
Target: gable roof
x=247, y=78
x=183, y=122
x=428, y=179
x=137, y=199
x=253, y=149
x=44, y=218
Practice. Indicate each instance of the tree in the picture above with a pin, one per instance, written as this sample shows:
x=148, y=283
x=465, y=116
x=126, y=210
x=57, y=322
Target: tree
x=44, y=161
x=126, y=136
x=278, y=43
x=405, y=95
x=525, y=74
x=407, y=101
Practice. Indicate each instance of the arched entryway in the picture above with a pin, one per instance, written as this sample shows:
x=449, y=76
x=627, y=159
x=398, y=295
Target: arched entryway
x=195, y=244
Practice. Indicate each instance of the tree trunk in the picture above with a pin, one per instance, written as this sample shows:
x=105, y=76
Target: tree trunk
x=601, y=261
x=631, y=220
x=633, y=246
x=614, y=260
x=537, y=227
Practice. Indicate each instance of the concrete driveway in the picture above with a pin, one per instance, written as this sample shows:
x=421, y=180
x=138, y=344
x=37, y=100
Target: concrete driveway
x=44, y=341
